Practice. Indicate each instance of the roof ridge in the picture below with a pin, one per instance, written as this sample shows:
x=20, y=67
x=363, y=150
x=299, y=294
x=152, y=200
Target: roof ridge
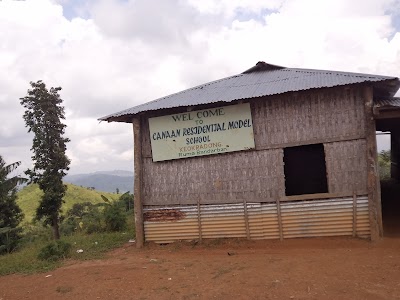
x=338, y=72
x=263, y=66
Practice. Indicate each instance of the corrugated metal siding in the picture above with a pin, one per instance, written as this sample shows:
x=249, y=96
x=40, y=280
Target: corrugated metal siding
x=332, y=217
x=329, y=217
x=254, y=84
x=387, y=102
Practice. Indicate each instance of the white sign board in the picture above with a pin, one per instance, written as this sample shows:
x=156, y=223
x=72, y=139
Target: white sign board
x=202, y=132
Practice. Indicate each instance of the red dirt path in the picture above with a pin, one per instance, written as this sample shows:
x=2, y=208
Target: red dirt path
x=323, y=268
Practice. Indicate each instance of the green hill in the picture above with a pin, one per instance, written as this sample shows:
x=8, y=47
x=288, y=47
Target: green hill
x=28, y=198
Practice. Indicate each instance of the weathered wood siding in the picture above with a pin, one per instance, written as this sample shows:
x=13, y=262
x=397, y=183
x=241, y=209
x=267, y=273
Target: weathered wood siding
x=334, y=117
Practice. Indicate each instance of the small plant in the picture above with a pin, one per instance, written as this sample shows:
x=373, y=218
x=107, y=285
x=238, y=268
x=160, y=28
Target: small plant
x=64, y=289
x=54, y=251
x=8, y=239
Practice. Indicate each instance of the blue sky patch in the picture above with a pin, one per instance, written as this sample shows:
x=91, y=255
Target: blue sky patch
x=242, y=14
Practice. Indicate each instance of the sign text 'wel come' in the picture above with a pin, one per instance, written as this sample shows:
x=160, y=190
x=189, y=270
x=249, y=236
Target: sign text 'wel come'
x=202, y=132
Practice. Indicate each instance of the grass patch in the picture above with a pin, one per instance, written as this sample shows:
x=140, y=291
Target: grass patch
x=221, y=272
x=25, y=261
x=64, y=289
x=94, y=246
x=29, y=197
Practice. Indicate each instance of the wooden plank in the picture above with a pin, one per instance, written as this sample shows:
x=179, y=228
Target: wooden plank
x=246, y=219
x=199, y=221
x=138, y=207
x=278, y=209
x=373, y=185
x=310, y=141
x=386, y=114
x=354, y=214
x=293, y=144
x=317, y=196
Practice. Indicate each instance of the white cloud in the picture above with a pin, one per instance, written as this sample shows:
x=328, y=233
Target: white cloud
x=128, y=52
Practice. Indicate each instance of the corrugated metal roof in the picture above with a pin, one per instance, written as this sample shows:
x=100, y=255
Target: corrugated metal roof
x=387, y=102
x=261, y=80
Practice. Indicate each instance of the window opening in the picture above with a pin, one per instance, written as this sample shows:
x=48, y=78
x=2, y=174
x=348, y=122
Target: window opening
x=305, y=170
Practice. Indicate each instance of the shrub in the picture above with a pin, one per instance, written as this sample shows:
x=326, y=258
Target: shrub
x=54, y=251
x=9, y=239
x=10, y=213
x=115, y=217
x=126, y=200
x=85, y=217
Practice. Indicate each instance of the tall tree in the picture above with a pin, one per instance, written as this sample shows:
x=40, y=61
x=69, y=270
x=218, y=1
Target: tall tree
x=43, y=116
x=10, y=213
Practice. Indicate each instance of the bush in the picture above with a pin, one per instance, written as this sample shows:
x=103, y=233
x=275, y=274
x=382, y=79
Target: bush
x=54, y=251
x=9, y=238
x=96, y=218
x=126, y=200
x=115, y=217
x=85, y=217
x=10, y=213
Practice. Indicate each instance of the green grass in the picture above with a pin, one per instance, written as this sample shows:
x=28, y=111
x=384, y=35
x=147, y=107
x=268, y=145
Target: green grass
x=29, y=197
x=94, y=246
x=25, y=261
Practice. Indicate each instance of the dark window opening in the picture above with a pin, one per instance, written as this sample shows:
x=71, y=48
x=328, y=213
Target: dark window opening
x=305, y=170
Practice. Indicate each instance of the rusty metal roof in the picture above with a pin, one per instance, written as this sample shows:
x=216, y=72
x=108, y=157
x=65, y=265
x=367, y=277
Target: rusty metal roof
x=261, y=80
x=387, y=102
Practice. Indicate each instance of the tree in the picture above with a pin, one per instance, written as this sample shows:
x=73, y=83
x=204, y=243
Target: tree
x=43, y=116
x=10, y=213
x=127, y=201
x=384, y=164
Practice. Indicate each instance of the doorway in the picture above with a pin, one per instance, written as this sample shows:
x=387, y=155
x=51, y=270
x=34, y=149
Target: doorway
x=390, y=176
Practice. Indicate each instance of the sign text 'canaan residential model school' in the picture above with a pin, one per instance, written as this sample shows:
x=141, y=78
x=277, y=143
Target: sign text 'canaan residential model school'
x=202, y=132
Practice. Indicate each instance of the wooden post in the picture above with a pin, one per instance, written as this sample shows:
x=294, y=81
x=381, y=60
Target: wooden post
x=373, y=184
x=278, y=210
x=138, y=207
x=354, y=214
x=199, y=221
x=246, y=219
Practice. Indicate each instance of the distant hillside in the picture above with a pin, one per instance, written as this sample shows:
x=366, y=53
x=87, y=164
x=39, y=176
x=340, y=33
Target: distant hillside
x=108, y=181
x=28, y=198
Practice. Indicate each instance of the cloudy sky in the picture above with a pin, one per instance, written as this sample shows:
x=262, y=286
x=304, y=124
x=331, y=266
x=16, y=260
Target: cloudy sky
x=114, y=54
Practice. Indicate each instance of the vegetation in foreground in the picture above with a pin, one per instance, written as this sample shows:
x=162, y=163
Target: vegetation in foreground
x=94, y=246
x=10, y=213
x=89, y=229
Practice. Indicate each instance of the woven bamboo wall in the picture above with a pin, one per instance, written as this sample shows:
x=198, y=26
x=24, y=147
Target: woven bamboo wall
x=255, y=175
x=346, y=167
x=309, y=117
x=332, y=116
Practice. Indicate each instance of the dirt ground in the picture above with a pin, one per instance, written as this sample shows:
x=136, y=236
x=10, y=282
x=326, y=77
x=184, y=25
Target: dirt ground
x=322, y=268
